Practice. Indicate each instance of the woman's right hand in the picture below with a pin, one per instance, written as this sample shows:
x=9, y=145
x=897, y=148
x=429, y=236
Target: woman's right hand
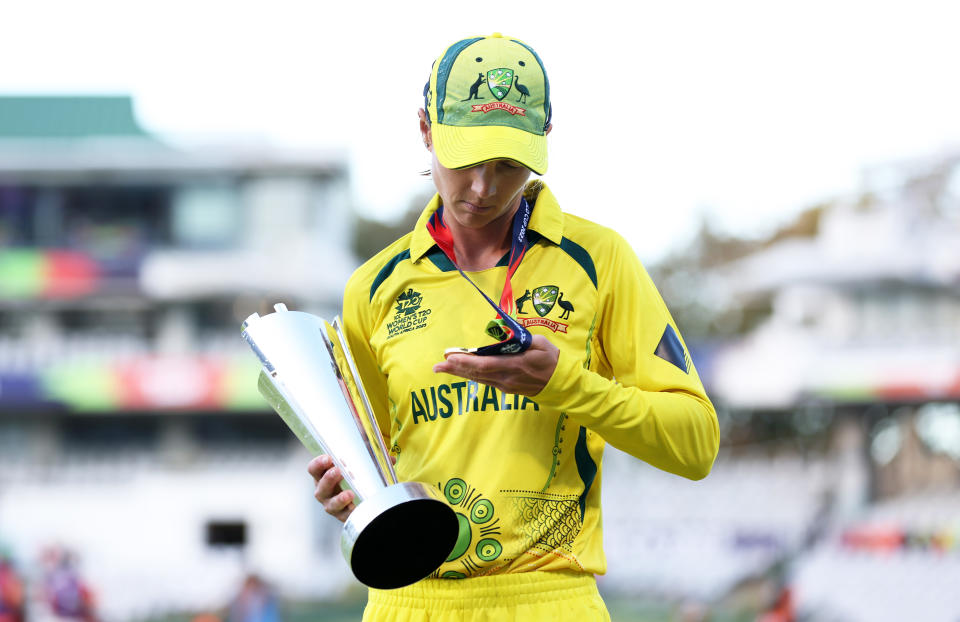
x=326, y=478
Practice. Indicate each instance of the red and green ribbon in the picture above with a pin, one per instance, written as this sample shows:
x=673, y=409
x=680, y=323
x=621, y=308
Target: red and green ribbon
x=511, y=336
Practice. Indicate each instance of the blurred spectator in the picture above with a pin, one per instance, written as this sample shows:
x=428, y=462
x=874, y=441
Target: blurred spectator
x=256, y=602
x=782, y=609
x=11, y=592
x=64, y=592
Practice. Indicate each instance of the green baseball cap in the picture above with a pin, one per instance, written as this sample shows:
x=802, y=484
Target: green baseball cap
x=489, y=98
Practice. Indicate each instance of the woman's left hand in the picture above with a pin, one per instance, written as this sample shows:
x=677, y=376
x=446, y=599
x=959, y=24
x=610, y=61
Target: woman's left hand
x=522, y=374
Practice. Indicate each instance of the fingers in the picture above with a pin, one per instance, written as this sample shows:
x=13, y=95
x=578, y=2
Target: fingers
x=319, y=465
x=524, y=374
x=478, y=369
x=340, y=506
x=472, y=366
x=327, y=490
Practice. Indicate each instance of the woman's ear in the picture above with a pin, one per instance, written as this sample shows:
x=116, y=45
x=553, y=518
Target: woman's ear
x=425, y=129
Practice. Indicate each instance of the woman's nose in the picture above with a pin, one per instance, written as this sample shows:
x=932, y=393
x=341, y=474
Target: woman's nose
x=484, y=182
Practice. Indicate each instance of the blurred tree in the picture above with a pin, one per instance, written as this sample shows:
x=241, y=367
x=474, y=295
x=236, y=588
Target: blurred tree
x=807, y=223
x=703, y=313
x=371, y=236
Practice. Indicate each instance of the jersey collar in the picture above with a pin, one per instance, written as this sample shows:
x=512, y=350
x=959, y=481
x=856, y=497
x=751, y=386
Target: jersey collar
x=547, y=220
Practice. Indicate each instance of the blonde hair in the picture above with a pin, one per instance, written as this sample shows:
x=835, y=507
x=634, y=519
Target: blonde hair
x=532, y=190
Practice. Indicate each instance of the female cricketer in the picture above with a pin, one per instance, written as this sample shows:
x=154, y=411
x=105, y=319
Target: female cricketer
x=503, y=343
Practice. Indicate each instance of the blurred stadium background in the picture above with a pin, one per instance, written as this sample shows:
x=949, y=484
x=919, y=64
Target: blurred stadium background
x=142, y=477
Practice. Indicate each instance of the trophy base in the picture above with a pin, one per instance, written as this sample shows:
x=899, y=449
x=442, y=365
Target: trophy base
x=399, y=536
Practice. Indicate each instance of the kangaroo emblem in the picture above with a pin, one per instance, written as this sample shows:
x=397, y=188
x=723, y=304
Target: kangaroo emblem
x=475, y=88
x=521, y=300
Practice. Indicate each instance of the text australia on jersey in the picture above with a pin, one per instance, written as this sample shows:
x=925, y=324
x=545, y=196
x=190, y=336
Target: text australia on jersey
x=463, y=398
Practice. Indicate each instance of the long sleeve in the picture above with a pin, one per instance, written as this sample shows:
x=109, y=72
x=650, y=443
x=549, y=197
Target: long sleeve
x=358, y=327
x=653, y=404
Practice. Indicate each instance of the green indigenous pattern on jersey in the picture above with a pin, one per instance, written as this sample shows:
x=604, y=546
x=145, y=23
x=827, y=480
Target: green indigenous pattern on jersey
x=523, y=473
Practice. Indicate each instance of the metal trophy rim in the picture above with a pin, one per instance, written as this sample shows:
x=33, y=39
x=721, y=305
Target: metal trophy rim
x=408, y=520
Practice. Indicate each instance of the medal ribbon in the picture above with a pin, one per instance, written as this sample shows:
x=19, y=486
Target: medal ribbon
x=512, y=337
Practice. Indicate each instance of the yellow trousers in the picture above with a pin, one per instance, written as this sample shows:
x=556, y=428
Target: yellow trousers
x=523, y=596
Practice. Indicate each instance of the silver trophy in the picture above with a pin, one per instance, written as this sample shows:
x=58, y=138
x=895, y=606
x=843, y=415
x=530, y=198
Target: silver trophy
x=399, y=532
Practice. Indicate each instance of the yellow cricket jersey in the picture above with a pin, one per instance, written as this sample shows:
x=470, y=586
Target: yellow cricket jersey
x=523, y=473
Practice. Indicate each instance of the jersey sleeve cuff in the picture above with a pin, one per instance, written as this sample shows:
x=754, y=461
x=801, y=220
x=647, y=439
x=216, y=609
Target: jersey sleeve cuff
x=561, y=383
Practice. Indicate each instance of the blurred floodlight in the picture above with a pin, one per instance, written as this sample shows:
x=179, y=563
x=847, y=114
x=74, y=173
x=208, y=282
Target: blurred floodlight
x=938, y=425
x=887, y=440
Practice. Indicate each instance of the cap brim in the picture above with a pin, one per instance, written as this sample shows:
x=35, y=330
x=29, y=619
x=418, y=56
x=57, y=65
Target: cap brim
x=460, y=147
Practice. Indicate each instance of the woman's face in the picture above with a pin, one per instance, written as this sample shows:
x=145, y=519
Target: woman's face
x=479, y=195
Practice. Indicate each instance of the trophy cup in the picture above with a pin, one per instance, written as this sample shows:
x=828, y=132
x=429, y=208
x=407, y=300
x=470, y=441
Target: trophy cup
x=399, y=532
